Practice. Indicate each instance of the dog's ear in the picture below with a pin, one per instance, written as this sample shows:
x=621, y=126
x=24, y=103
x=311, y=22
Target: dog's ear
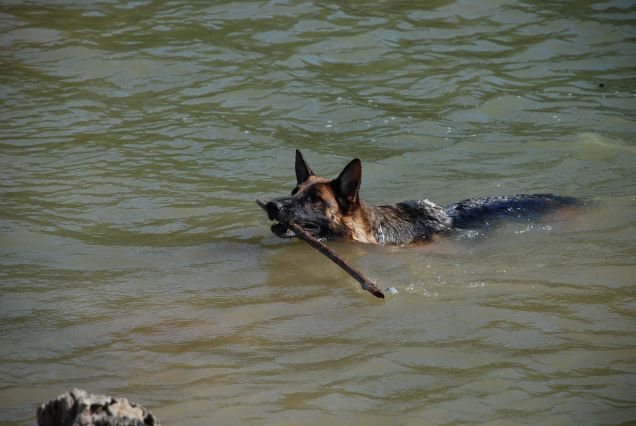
x=303, y=171
x=348, y=182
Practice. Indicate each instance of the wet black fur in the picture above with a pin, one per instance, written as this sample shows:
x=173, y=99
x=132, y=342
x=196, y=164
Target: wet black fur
x=408, y=221
x=417, y=220
x=475, y=212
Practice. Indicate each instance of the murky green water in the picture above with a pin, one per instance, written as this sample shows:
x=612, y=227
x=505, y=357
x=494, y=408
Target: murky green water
x=135, y=137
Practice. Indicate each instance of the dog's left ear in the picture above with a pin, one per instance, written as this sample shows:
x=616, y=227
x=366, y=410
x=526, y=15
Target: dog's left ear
x=303, y=171
x=348, y=182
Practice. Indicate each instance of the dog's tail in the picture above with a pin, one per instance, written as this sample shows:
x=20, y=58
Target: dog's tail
x=475, y=212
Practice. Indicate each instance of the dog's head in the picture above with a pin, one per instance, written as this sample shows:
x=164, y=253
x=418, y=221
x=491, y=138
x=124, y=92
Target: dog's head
x=317, y=204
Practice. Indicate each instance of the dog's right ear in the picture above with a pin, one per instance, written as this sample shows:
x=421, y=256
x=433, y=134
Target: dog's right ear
x=303, y=171
x=347, y=184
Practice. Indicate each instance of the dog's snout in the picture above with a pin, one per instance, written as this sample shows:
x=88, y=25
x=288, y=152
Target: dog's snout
x=273, y=209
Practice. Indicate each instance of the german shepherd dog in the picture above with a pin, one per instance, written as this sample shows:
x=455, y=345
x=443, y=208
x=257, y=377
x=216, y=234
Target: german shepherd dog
x=330, y=208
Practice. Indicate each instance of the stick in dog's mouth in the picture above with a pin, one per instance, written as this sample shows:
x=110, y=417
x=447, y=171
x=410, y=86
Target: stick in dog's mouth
x=262, y=204
x=301, y=233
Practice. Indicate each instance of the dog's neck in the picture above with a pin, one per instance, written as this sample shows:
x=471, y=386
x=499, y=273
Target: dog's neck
x=403, y=223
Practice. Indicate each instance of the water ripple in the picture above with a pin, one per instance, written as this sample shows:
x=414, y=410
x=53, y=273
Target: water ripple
x=136, y=136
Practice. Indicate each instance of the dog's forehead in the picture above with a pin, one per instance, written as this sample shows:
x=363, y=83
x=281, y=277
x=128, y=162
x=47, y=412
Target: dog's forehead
x=317, y=179
x=313, y=181
x=318, y=186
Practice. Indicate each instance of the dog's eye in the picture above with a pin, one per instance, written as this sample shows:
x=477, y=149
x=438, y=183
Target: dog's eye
x=312, y=198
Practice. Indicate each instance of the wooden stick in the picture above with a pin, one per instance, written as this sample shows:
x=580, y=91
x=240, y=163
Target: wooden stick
x=301, y=233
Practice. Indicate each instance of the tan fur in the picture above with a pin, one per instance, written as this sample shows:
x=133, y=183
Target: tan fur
x=356, y=227
x=351, y=225
x=312, y=180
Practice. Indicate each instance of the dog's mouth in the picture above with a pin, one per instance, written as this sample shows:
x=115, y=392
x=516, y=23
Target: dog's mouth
x=283, y=230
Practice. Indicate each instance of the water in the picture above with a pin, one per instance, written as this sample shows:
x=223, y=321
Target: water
x=136, y=136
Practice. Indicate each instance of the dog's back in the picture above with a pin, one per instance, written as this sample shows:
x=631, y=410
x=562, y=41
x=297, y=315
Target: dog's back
x=476, y=212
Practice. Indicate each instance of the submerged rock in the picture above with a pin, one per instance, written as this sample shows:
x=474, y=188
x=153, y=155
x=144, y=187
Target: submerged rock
x=78, y=408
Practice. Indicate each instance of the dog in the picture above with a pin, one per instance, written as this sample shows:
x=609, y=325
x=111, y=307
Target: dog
x=331, y=208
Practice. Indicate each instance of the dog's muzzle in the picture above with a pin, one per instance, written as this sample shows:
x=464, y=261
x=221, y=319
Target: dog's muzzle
x=279, y=210
x=275, y=209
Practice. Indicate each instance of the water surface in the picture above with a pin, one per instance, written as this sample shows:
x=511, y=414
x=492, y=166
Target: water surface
x=135, y=137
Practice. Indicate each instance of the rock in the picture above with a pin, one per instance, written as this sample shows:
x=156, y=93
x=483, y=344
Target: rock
x=78, y=408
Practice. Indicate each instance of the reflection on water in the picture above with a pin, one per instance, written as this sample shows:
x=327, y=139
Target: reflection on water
x=136, y=136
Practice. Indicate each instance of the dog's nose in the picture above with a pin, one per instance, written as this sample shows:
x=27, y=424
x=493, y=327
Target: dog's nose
x=273, y=209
